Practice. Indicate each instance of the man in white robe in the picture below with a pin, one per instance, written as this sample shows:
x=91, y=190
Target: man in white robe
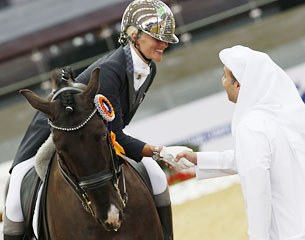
x=268, y=127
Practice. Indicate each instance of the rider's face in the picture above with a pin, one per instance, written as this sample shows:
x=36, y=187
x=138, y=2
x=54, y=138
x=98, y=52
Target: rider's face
x=151, y=48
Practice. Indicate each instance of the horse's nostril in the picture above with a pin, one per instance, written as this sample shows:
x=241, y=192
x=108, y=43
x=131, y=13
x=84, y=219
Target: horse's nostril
x=112, y=227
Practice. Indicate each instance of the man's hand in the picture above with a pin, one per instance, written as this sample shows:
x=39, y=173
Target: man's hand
x=168, y=155
x=190, y=156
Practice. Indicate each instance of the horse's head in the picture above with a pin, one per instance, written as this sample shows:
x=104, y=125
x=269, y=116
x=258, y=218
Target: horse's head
x=85, y=154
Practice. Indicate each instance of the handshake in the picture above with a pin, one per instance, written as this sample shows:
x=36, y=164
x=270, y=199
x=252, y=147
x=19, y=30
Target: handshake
x=168, y=155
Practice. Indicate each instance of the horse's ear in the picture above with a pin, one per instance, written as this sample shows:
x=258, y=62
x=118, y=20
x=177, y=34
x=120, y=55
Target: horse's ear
x=36, y=101
x=93, y=85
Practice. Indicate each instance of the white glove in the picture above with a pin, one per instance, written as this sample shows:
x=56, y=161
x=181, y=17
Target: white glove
x=168, y=155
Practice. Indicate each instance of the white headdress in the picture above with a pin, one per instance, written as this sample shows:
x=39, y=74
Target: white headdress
x=264, y=87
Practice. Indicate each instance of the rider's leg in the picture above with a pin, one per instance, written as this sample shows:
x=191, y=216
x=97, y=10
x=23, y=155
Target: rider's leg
x=6, y=221
x=12, y=230
x=13, y=221
x=161, y=195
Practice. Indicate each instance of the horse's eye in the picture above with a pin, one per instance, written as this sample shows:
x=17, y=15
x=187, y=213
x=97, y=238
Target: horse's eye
x=101, y=136
x=104, y=136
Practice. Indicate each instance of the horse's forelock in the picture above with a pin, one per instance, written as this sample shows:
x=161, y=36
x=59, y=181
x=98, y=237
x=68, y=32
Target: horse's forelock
x=62, y=78
x=67, y=100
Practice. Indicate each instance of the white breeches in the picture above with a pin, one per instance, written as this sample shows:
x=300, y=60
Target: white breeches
x=157, y=176
x=13, y=202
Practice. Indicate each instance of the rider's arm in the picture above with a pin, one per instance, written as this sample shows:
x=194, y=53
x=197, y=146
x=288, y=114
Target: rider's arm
x=113, y=85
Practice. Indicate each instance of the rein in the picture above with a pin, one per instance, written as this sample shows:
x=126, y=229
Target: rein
x=78, y=190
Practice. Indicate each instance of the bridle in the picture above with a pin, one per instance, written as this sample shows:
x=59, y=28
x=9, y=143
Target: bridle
x=69, y=129
x=80, y=185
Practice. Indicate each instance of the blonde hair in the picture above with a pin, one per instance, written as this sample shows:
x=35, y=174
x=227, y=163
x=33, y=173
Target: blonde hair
x=130, y=30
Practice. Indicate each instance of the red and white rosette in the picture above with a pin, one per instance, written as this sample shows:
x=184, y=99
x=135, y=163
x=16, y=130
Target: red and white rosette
x=104, y=107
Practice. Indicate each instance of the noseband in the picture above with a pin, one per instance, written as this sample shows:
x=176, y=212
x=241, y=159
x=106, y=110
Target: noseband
x=81, y=185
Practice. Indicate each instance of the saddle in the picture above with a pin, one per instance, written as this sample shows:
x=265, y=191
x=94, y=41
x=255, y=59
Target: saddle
x=30, y=187
x=29, y=192
x=31, y=184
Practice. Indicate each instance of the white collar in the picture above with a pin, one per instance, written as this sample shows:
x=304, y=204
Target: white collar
x=140, y=69
x=138, y=62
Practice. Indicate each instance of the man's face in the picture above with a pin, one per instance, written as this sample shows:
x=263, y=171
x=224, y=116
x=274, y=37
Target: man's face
x=230, y=84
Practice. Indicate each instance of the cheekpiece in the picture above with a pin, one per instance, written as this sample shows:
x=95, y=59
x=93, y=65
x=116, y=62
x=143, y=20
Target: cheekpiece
x=104, y=107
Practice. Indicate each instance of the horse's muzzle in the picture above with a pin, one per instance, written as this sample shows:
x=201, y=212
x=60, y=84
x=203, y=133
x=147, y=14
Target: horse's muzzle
x=113, y=221
x=110, y=227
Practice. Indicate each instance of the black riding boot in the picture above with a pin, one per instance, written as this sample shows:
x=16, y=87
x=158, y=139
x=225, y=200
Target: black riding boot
x=12, y=237
x=165, y=215
x=12, y=230
x=15, y=230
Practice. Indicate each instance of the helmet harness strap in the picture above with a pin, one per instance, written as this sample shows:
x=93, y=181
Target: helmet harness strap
x=136, y=46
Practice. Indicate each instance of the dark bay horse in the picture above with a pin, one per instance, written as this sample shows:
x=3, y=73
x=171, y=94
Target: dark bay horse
x=86, y=192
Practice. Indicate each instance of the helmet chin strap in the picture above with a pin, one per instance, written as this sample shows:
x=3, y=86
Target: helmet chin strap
x=148, y=60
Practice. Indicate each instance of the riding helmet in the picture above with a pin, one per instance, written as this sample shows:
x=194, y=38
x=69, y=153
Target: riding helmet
x=152, y=17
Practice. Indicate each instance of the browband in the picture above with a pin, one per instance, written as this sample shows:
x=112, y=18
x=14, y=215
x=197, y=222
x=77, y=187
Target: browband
x=74, y=89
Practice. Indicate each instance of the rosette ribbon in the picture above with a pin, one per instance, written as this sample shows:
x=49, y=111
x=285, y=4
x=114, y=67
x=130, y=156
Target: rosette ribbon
x=119, y=150
x=104, y=107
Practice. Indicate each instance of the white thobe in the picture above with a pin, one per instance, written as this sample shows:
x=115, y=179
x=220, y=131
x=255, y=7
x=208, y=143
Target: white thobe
x=271, y=165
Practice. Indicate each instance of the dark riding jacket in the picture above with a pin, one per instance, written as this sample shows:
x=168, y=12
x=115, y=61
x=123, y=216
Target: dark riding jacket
x=116, y=83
